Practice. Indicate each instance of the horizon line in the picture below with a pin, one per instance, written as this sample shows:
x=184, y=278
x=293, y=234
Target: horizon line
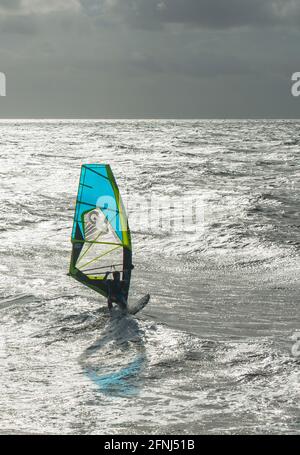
x=144, y=118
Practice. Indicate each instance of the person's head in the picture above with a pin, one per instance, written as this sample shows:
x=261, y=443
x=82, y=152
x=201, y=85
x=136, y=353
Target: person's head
x=116, y=276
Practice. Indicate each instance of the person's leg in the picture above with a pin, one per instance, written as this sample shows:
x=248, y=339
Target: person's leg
x=109, y=296
x=122, y=303
x=109, y=303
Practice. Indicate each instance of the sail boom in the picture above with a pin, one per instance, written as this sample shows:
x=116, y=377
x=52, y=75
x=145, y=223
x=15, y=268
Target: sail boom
x=99, y=243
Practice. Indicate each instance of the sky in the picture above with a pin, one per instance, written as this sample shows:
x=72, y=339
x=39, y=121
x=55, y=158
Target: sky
x=149, y=58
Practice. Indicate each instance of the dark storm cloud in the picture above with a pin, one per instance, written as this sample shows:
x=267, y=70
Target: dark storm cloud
x=202, y=13
x=180, y=58
x=200, y=64
x=18, y=25
x=10, y=4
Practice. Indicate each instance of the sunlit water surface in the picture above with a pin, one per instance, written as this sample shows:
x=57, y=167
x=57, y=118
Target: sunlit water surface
x=211, y=353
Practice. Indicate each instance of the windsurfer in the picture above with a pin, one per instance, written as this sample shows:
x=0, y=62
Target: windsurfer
x=115, y=291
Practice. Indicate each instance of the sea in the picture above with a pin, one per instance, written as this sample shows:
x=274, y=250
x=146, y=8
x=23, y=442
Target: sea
x=213, y=207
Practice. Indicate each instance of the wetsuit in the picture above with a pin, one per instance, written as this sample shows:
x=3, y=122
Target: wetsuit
x=116, y=294
x=115, y=288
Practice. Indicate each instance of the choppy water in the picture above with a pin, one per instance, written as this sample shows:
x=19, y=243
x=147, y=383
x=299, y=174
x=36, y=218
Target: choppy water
x=212, y=351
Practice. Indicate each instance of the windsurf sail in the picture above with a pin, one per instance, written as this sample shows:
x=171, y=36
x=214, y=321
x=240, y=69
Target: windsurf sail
x=101, y=241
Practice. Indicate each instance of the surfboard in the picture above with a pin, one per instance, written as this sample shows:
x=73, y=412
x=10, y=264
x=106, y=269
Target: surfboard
x=134, y=308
